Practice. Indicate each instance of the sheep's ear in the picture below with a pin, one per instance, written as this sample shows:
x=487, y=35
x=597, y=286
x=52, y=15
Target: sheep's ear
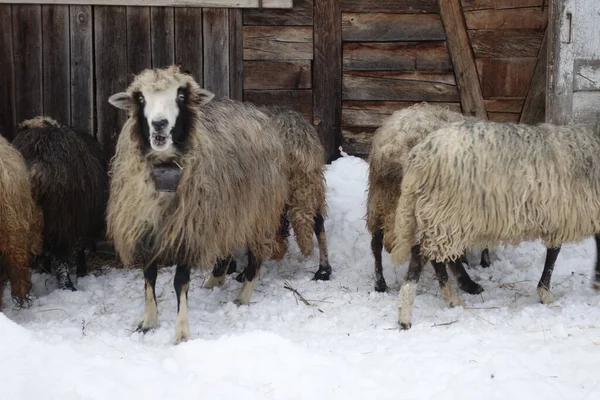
x=205, y=96
x=122, y=100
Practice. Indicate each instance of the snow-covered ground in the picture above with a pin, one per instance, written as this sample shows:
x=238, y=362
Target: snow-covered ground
x=346, y=345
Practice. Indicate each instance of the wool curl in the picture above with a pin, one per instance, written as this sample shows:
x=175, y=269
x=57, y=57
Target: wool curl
x=69, y=181
x=305, y=159
x=20, y=224
x=546, y=185
x=391, y=144
x=232, y=190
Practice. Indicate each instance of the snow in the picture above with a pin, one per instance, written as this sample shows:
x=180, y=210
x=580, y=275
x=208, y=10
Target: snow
x=502, y=345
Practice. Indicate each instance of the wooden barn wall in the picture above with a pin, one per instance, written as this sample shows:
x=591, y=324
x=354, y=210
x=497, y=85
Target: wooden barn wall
x=65, y=61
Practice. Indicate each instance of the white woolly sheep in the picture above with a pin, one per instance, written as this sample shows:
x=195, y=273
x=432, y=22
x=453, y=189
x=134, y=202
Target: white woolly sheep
x=546, y=185
x=232, y=187
x=392, y=142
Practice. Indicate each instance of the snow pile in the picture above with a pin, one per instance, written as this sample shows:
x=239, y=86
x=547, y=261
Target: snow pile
x=345, y=345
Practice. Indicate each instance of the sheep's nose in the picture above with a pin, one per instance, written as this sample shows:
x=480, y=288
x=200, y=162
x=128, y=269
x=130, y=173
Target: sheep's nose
x=159, y=124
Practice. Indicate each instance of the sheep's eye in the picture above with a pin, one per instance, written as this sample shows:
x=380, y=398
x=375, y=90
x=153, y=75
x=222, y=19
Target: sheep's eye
x=141, y=99
x=181, y=97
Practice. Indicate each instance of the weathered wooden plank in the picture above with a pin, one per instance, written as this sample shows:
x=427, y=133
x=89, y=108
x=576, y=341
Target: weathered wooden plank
x=111, y=71
x=516, y=76
x=82, y=69
x=327, y=75
x=372, y=113
x=162, y=32
x=299, y=100
x=416, y=86
x=188, y=41
x=511, y=18
x=504, y=105
x=404, y=56
x=357, y=140
x=503, y=117
x=534, y=109
x=294, y=74
x=56, y=63
x=499, y=43
x=470, y=5
x=278, y=42
x=167, y=3
x=236, y=55
x=559, y=84
x=215, y=27
x=27, y=45
x=139, y=40
x=301, y=14
x=462, y=57
x=586, y=74
x=390, y=6
x=585, y=107
x=7, y=73
x=391, y=27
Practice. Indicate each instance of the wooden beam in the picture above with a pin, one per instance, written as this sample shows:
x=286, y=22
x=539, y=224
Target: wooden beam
x=463, y=59
x=559, y=84
x=167, y=3
x=534, y=109
x=327, y=74
x=7, y=78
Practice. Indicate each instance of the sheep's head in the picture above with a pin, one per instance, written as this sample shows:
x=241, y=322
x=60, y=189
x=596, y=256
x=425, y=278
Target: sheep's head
x=163, y=101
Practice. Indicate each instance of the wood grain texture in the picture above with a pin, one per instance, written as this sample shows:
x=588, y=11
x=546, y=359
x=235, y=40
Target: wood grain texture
x=236, y=55
x=139, y=40
x=162, y=33
x=399, y=86
x=216, y=50
x=461, y=54
x=82, y=69
x=299, y=100
x=111, y=77
x=372, y=113
x=498, y=43
x=278, y=42
x=390, y=6
x=295, y=74
x=357, y=140
x=167, y=3
x=27, y=45
x=516, y=76
x=503, y=117
x=56, y=62
x=327, y=75
x=519, y=18
x=504, y=105
x=391, y=27
x=534, y=109
x=189, y=41
x=301, y=14
x=404, y=56
x=500, y=4
x=7, y=73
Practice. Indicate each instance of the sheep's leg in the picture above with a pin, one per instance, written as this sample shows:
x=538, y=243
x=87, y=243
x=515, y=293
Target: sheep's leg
x=241, y=277
x=462, y=277
x=408, y=291
x=150, y=317
x=597, y=275
x=82, y=268
x=18, y=272
x=448, y=292
x=377, y=248
x=543, y=287
x=182, y=284
x=283, y=232
x=219, y=273
x=232, y=267
x=463, y=259
x=485, y=258
x=60, y=265
x=251, y=277
x=324, y=271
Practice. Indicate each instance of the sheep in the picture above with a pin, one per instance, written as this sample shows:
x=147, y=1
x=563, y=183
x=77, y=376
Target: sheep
x=546, y=186
x=20, y=224
x=392, y=142
x=306, y=206
x=69, y=181
x=226, y=184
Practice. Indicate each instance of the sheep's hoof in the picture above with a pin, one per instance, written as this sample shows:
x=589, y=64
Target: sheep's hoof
x=596, y=286
x=404, y=326
x=241, y=277
x=545, y=296
x=81, y=272
x=214, y=281
x=470, y=287
x=142, y=329
x=182, y=332
x=380, y=285
x=485, y=263
x=67, y=286
x=323, y=274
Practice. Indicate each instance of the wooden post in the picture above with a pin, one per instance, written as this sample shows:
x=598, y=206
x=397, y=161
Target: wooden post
x=7, y=78
x=327, y=74
x=534, y=109
x=463, y=59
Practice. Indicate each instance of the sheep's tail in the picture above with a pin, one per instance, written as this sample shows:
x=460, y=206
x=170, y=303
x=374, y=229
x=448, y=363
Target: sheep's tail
x=405, y=225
